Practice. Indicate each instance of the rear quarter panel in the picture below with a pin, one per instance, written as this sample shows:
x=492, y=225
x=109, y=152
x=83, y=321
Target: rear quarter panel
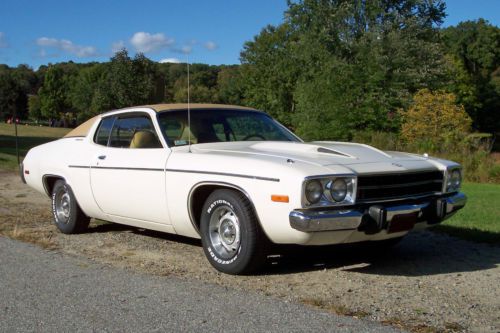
x=54, y=159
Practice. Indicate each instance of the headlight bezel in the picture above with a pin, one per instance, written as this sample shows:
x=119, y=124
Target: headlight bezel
x=452, y=179
x=326, y=198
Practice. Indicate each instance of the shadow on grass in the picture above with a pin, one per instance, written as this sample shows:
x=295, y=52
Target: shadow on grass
x=469, y=234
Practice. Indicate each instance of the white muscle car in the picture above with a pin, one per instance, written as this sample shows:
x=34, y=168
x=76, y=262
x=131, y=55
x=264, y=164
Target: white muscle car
x=238, y=180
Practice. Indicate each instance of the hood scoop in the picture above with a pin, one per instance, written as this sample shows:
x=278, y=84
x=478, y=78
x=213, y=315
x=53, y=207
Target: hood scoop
x=303, y=149
x=324, y=150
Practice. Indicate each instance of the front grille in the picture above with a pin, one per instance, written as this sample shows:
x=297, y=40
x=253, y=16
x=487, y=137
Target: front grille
x=398, y=185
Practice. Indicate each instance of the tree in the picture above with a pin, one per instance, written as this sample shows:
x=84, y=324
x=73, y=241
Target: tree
x=270, y=70
x=34, y=107
x=85, y=87
x=15, y=84
x=474, y=47
x=340, y=66
x=8, y=93
x=436, y=118
x=229, y=87
x=53, y=93
x=129, y=81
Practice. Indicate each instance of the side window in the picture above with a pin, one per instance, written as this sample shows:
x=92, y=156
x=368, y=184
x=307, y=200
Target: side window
x=103, y=131
x=134, y=132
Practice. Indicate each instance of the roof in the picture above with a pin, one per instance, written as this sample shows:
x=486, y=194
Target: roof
x=193, y=106
x=84, y=128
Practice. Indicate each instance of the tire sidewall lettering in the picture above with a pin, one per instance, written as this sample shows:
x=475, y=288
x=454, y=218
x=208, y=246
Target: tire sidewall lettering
x=218, y=202
x=211, y=252
x=221, y=261
x=54, y=206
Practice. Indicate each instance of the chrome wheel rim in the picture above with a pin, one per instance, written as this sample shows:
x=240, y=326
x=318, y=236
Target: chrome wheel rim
x=224, y=230
x=62, y=205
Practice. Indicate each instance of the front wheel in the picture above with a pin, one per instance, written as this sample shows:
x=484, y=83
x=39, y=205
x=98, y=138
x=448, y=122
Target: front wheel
x=68, y=216
x=231, y=236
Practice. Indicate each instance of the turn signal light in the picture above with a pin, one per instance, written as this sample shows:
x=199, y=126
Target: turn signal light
x=279, y=198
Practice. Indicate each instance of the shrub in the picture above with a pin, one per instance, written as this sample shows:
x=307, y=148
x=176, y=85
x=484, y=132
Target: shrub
x=433, y=119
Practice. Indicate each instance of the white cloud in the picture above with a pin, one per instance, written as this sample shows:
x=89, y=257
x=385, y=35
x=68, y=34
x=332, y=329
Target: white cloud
x=210, y=45
x=186, y=49
x=3, y=42
x=170, y=60
x=67, y=46
x=145, y=42
x=117, y=46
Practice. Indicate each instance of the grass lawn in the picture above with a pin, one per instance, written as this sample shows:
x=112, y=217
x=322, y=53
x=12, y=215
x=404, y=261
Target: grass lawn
x=478, y=221
x=29, y=136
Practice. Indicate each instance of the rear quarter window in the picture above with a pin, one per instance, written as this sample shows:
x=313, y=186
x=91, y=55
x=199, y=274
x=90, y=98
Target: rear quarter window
x=102, y=134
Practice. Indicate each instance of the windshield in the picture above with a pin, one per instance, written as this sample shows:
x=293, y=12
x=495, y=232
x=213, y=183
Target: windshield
x=220, y=125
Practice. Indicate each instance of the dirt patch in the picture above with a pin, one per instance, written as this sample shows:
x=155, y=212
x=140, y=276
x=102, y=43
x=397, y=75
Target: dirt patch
x=428, y=283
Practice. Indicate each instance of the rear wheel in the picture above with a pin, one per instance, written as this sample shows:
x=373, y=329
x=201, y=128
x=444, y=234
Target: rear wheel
x=231, y=236
x=68, y=216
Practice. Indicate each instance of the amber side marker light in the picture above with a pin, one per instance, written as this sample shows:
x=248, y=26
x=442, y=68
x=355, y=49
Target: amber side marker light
x=279, y=198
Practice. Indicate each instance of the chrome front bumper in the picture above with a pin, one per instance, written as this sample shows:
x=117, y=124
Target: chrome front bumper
x=374, y=218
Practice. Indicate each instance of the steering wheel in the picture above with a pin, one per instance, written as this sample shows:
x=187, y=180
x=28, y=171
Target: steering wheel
x=258, y=136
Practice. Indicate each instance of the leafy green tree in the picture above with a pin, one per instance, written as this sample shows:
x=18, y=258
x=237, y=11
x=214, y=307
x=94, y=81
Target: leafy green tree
x=229, y=87
x=53, y=93
x=474, y=47
x=8, y=94
x=84, y=87
x=34, y=107
x=130, y=81
x=270, y=70
x=15, y=84
x=345, y=65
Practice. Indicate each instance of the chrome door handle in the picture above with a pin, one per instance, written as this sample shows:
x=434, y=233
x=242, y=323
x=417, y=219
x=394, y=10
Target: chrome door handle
x=102, y=157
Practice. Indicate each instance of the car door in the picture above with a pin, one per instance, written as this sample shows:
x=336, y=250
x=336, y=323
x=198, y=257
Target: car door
x=128, y=172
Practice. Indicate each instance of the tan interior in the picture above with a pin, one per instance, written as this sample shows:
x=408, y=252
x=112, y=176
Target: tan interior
x=144, y=139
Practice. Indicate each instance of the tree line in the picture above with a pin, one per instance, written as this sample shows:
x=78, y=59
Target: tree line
x=332, y=68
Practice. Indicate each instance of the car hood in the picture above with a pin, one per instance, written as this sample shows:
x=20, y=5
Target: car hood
x=359, y=158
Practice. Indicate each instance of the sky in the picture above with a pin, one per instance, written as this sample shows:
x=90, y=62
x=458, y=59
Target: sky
x=200, y=31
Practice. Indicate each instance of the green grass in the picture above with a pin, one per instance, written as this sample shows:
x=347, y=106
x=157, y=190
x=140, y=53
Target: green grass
x=29, y=136
x=479, y=220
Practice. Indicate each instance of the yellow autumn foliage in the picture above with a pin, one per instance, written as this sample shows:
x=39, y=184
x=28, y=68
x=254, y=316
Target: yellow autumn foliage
x=435, y=117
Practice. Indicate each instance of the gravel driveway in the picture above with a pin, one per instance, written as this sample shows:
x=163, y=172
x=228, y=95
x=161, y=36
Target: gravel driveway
x=428, y=283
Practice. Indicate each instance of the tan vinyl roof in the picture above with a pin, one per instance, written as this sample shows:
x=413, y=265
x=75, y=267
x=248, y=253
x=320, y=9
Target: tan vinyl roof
x=183, y=106
x=84, y=128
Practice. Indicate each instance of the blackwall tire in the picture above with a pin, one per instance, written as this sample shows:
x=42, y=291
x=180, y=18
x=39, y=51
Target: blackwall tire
x=231, y=235
x=68, y=217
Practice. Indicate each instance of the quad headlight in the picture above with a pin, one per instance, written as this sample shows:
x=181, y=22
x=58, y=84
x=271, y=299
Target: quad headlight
x=329, y=191
x=313, y=191
x=338, y=189
x=453, y=179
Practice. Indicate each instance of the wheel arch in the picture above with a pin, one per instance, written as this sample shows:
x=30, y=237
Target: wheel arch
x=199, y=194
x=49, y=181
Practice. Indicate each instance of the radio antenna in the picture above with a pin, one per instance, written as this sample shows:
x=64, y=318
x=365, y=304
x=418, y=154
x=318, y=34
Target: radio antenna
x=189, y=106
